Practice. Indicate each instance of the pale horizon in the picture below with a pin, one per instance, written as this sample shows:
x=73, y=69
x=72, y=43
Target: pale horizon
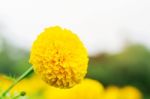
x=103, y=26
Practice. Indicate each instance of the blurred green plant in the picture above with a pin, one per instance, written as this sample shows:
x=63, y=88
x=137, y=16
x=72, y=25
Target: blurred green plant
x=13, y=60
x=130, y=67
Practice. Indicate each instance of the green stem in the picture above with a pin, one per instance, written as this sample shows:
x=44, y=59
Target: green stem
x=26, y=73
x=19, y=95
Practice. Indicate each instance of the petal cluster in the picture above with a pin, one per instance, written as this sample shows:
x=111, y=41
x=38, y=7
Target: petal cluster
x=59, y=57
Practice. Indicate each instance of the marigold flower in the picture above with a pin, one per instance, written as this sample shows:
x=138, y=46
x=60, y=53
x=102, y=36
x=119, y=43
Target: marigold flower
x=59, y=57
x=26, y=84
x=130, y=92
x=112, y=92
x=87, y=89
x=127, y=92
x=4, y=82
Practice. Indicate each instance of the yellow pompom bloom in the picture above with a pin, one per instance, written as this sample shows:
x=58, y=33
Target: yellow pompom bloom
x=130, y=92
x=59, y=57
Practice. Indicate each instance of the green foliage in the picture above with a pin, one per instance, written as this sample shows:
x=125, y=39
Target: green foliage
x=130, y=67
x=13, y=61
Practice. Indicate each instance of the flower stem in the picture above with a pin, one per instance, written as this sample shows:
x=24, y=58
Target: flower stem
x=19, y=95
x=26, y=73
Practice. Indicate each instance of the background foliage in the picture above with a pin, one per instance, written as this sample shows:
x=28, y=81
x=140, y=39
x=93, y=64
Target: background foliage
x=129, y=67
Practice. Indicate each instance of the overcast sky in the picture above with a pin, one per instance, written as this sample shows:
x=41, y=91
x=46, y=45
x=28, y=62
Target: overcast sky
x=103, y=25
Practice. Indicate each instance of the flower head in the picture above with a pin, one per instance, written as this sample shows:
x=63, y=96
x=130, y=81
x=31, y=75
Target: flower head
x=5, y=82
x=130, y=92
x=87, y=89
x=112, y=92
x=59, y=57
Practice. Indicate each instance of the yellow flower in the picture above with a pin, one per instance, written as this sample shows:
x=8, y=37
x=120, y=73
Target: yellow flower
x=26, y=84
x=87, y=89
x=33, y=87
x=5, y=82
x=130, y=92
x=59, y=57
x=112, y=92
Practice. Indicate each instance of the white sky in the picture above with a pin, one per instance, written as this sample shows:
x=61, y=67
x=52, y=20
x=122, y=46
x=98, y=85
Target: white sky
x=103, y=25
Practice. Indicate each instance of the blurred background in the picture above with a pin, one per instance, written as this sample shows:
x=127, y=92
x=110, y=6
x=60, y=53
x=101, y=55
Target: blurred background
x=115, y=32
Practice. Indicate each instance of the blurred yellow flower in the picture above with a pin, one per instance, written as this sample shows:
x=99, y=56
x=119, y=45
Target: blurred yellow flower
x=59, y=57
x=31, y=86
x=111, y=92
x=130, y=92
x=87, y=89
x=5, y=82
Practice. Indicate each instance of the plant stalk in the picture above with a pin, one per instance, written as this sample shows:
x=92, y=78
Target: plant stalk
x=26, y=73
